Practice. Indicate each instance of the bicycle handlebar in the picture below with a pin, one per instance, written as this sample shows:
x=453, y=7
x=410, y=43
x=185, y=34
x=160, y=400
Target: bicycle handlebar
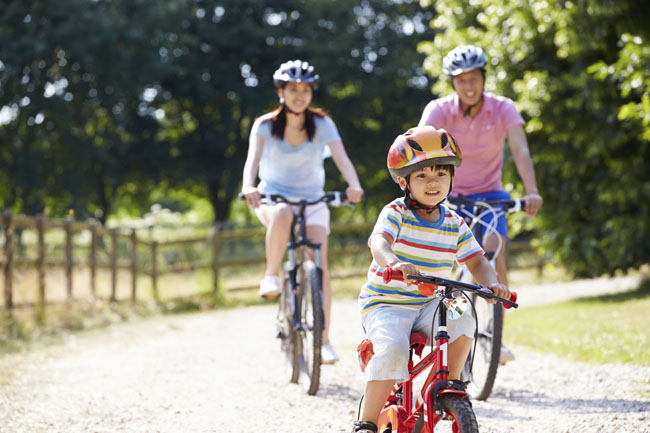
x=332, y=198
x=428, y=284
x=511, y=205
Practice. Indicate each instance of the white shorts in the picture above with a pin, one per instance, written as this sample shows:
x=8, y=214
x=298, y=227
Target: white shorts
x=389, y=328
x=315, y=215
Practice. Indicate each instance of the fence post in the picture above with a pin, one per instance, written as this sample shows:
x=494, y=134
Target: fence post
x=40, y=259
x=134, y=264
x=113, y=232
x=154, y=269
x=68, y=256
x=93, y=258
x=9, y=254
x=215, y=243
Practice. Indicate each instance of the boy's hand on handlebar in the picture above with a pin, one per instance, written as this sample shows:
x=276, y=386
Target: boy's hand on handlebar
x=252, y=196
x=500, y=290
x=354, y=194
x=533, y=204
x=406, y=269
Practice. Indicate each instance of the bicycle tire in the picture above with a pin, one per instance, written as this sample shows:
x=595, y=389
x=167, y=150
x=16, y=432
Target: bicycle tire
x=463, y=418
x=286, y=331
x=311, y=335
x=488, y=349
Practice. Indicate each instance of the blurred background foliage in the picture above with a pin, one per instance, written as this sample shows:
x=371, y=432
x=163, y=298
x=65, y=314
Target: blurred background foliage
x=579, y=72
x=110, y=107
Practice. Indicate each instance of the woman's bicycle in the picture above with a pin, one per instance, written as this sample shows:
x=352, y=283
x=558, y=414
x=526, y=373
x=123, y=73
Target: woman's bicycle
x=300, y=319
x=439, y=400
x=481, y=367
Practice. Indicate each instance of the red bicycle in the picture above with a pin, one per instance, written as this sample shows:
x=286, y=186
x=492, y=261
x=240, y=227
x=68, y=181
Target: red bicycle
x=439, y=400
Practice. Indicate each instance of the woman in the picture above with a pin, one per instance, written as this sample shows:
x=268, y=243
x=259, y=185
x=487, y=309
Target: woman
x=286, y=149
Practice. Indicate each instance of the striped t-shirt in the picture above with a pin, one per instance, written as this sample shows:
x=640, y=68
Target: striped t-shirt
x=431, y=247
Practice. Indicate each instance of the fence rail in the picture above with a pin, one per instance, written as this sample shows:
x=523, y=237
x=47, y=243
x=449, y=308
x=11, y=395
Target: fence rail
x=11, y=226
x=137, y=252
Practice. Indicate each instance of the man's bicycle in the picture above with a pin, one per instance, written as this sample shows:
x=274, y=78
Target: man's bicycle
x=439, y=400
x=483, y=361
x=300, y=319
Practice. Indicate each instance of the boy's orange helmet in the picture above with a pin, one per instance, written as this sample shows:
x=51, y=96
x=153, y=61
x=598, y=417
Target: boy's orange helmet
x=420, y=147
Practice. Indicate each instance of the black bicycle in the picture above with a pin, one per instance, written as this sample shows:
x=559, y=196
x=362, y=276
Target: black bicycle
x=300, y=318
x=483, y=361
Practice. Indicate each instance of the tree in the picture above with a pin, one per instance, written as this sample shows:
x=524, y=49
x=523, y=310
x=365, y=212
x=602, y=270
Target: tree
x=588, y=137
x=107, y=103
x=73, y=73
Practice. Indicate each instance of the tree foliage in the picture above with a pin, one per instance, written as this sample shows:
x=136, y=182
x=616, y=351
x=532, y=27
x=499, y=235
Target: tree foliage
x=107, y=103
x=579, y=73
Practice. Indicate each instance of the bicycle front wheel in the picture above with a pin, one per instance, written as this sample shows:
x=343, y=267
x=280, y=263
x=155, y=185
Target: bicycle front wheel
x=488, y=349
x=458, y=416
x=310, y=334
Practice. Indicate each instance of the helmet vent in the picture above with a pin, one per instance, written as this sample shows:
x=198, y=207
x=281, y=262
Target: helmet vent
x=414, y=144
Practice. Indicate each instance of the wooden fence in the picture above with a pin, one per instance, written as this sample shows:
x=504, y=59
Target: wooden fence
x=118, y=259
x=140, y=253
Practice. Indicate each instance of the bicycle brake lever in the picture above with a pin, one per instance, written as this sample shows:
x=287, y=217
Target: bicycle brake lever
x=337, y=199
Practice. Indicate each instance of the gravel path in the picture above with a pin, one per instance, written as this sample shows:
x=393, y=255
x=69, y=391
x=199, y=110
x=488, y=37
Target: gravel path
x=221, y=371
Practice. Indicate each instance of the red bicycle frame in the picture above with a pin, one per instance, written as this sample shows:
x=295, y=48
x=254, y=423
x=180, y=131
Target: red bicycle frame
x=400, y=411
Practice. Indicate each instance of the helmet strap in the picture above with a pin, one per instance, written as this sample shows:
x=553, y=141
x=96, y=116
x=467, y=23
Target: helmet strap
x=469, y=108
x=412, y=204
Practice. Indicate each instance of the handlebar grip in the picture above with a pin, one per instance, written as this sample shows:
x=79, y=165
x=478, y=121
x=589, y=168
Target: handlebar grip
x=426, y=289
x=392, y=274
x=513, y=298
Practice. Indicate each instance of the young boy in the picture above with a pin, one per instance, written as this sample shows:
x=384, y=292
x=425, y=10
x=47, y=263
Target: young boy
x=415, y=234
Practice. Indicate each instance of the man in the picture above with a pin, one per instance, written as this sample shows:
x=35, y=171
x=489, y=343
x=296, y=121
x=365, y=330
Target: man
x=480, y=122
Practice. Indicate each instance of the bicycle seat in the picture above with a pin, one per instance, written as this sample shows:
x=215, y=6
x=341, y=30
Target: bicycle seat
x=418, y=343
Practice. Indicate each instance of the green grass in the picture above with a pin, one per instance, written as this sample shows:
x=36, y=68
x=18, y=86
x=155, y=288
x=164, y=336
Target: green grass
x=604, y=329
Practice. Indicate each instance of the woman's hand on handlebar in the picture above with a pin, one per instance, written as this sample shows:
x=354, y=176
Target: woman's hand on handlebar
x=354, y=194
x=252, y=196
x=500, y=290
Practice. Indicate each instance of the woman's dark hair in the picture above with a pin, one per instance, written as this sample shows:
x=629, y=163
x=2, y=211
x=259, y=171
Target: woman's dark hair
x=279, y=121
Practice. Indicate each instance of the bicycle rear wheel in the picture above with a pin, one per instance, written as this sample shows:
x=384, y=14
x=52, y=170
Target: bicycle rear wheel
x=286, y=331
x=312, y=322
x=488, y=349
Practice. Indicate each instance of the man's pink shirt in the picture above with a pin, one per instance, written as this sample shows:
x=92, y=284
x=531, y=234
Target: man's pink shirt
x=481, y=139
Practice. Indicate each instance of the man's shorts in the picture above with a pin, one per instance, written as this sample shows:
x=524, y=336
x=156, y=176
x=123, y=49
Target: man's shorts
x=488, y=218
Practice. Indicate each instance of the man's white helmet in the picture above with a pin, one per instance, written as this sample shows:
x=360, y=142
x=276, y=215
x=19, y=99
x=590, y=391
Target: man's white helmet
x=462, y=59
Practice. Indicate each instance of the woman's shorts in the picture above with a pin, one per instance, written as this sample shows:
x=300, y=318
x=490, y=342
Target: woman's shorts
x=389, y=328
x=315, y=215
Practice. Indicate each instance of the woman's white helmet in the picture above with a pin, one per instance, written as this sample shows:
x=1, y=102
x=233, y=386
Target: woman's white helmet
x=297, y=71
x=462, y=59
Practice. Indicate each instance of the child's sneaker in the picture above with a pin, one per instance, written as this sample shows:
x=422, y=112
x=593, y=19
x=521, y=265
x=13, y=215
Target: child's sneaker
x=270, y=287
x=328, y=355
x=364, y=427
